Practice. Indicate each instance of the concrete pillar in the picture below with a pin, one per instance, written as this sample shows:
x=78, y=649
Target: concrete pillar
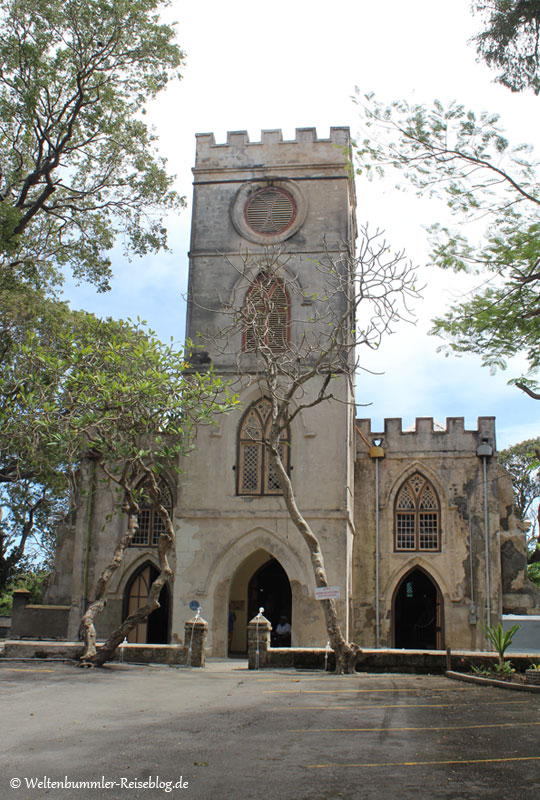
x=258, y=642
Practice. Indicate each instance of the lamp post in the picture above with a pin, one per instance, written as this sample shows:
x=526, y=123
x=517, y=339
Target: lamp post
x=376, y=452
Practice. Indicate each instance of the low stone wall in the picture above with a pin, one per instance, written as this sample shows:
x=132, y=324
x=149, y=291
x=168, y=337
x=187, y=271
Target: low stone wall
x=69, y=651
x=262, y=656
x=405, y=661
x=192, y=653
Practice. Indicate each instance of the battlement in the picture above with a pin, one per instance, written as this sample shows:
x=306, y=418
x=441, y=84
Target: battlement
x=426, y=436
x=306, y=148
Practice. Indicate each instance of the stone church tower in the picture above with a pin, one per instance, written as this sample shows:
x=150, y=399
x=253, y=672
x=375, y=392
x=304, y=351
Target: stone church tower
x=236, y=544
x=416, y=525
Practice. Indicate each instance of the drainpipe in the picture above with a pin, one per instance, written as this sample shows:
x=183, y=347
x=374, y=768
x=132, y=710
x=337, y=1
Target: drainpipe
x=472, y=608
x=485, y=451
x=376, y=453
x=89, y=513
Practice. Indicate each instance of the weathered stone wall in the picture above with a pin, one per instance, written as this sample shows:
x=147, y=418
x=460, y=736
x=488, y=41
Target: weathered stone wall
x=448, y=459
x=219, y=531
x=43, y=621
x=5, y=627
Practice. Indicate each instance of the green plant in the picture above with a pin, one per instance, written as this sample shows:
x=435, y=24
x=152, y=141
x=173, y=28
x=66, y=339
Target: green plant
x=500, y=639
x=482, y=672
x=504, y=670
x=533, y=573
x=534, y=666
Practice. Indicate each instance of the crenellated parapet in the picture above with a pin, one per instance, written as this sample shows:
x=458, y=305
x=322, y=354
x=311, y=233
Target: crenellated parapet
x=425, y=436
x=238, y=152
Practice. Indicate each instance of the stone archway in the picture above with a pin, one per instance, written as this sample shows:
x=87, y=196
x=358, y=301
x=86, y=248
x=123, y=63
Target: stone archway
x=259, y=581
x=417, y=612
x=155, y=630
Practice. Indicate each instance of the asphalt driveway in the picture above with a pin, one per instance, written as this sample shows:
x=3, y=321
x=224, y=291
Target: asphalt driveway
x=225, y=732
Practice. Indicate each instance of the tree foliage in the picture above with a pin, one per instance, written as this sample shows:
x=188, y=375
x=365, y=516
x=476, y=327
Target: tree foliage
x=523, y=463
x=78, y=170
x=111, y=393
x=77, y=162
x=492, y=188
x=31, y=580
x=510, y=41
x=35, y=478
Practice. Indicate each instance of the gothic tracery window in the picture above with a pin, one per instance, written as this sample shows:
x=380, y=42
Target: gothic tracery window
x=151, y=523
x=255, y=473
x=266, y=315
x=417, y=524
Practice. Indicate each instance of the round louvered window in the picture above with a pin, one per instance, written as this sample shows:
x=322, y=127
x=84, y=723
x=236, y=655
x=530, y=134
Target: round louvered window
x=270, y=211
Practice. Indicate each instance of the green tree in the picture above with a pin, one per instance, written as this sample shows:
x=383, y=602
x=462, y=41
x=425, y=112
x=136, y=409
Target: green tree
x=78, y=169
x=111, y=393
x=510, y=42
x=34, y=479
x=77, y=161
x=464, y=159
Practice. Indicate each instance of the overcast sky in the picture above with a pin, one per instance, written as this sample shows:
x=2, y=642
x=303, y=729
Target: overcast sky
x=253, y=66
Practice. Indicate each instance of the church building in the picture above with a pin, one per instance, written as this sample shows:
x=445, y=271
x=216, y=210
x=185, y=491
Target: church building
x=415, y=525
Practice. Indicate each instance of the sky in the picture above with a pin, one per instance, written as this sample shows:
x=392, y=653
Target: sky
x=252, y=66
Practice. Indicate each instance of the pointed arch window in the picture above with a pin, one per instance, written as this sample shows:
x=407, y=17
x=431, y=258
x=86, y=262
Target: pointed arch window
x=152, y=524
x=266, y=315
x=255, y=473
x=417, y=521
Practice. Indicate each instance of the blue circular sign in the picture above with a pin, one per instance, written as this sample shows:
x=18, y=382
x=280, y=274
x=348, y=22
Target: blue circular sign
x=194, y=605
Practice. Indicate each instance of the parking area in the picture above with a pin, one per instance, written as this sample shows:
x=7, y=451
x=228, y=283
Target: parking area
x=226, y=732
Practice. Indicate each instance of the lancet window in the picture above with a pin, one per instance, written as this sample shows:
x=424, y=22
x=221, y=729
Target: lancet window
x=417, y=521
x=266, y=316
x=255, y=473
x=151, y=523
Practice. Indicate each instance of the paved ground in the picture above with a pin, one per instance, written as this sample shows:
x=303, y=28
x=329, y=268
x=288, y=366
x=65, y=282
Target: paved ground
x=231, y=733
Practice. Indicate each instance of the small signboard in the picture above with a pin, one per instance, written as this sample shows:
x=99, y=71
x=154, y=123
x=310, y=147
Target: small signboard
x=194, y=605
x=326, y=592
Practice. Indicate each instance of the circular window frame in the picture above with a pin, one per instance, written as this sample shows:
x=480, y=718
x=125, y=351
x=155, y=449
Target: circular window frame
x=246, y=193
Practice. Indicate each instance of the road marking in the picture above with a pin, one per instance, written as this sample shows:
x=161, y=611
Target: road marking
x=396, y=705
x=429, y=763
x=346, y=691
x=23, y=669
x=413, y=728
x=340, y=678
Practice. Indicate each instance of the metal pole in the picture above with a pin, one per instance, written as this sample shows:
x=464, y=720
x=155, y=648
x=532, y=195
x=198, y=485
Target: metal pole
x=377, y=603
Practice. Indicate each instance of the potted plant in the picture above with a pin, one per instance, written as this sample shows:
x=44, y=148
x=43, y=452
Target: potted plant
x=532, y=674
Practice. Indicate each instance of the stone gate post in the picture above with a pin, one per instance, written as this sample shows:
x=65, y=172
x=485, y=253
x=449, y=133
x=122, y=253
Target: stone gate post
x=258, y=641
x=195, y=635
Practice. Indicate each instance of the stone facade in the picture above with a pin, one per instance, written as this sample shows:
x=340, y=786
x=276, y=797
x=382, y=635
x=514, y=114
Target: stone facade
x=409, y=575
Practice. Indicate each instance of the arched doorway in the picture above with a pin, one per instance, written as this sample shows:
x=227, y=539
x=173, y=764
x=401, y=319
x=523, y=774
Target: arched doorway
x=418, y=613
x=259, y=581
x=155, y=630
x=269, y=588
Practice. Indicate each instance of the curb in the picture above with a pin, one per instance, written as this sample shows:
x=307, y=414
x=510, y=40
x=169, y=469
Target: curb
x=513, y=687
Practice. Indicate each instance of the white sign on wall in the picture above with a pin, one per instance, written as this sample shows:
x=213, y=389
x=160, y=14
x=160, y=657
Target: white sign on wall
x=326, y=592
